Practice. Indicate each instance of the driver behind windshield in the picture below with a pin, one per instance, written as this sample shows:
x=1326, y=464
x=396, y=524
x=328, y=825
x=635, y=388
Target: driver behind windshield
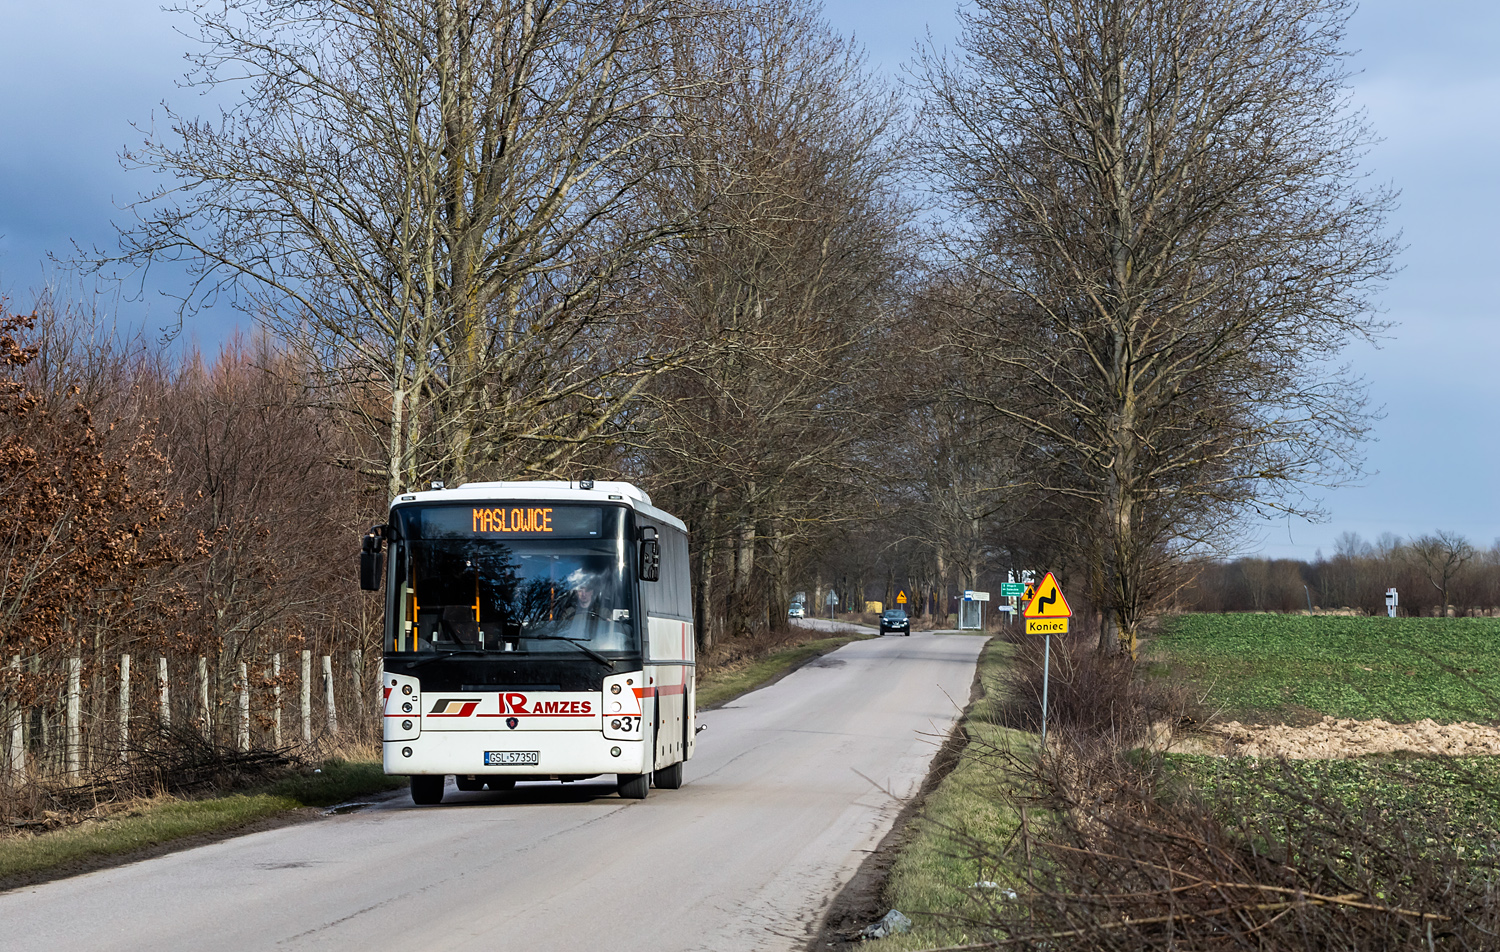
x=594, y=619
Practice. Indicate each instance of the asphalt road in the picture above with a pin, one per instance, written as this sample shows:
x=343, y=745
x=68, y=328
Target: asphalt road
x=790, y=787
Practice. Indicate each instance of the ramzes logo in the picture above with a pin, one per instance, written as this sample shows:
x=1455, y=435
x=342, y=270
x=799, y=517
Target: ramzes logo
x=511, y=703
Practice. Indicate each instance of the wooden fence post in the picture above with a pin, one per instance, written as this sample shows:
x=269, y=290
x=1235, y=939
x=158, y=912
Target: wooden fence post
x=163, y=699
x=276, y=700
x=307, y=697
x=17, y=735
x=208, y=731
x=244, y=706
x=73, y=744
x=357, y=662
x=124, y=708
x=333, y=714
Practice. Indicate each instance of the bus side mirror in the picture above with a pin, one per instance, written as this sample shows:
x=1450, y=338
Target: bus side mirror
x=371, y=560
x=650, y=555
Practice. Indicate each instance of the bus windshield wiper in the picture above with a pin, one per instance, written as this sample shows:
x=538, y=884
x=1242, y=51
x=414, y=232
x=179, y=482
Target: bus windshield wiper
x=577, y=644
x=446, y=653
x=441, y=653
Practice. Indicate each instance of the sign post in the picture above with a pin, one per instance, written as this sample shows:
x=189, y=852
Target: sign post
x=1390, y=603
x=1046, y=612
x=1012, y=591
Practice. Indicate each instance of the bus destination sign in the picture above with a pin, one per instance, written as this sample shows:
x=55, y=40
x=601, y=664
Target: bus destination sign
x=497, y=520
x=502, y=520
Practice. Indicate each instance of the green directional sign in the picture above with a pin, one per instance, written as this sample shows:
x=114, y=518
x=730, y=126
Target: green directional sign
x=1012, y=589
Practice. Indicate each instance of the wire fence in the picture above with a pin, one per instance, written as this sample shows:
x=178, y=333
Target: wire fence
x=107, y=710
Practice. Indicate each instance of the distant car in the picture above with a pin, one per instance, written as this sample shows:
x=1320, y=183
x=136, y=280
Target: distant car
x=894, y=620
x=796, y=611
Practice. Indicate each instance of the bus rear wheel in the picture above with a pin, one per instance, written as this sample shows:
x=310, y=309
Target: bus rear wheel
x=668, y=778
x=634, y=786
x=427, y=789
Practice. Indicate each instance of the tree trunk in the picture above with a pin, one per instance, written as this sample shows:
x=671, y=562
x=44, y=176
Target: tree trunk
x=741, y=609
x=703, y=558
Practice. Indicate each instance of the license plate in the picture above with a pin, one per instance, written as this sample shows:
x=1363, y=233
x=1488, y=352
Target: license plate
x=512, y=758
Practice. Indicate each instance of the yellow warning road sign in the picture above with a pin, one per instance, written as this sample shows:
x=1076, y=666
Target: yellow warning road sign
x=1047, y=601
x=900, y=598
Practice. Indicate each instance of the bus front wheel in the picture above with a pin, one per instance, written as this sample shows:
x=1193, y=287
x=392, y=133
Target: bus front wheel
x=668, y=778
x=634, y=786
x=427, y=789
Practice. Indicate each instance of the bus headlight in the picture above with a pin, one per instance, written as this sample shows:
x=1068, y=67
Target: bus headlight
x=614, y=689
x=615, y=724
x=406, y=725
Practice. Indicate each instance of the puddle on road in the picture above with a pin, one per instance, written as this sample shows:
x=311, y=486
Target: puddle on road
x=827, y=663
x=344, y=808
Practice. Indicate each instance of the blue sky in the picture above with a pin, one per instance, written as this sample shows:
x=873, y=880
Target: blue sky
x=74, y=75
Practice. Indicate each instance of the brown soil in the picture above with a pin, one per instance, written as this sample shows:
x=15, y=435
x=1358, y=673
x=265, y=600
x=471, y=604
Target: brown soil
x=1339, y=738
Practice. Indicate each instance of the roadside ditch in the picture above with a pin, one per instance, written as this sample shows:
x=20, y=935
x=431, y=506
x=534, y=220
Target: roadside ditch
x=865, y=898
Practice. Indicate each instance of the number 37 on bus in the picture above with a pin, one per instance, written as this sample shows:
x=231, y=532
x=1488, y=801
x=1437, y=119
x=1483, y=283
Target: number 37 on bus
x=534, y=631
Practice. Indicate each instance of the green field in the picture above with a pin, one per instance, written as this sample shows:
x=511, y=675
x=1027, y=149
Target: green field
x=1457, y=796
x=1298, y=668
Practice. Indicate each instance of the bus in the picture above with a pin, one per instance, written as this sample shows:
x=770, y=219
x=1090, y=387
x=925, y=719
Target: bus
x=537, y=630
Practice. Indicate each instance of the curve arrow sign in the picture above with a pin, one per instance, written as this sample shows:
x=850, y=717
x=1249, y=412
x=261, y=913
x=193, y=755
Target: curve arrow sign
x=1049, y=601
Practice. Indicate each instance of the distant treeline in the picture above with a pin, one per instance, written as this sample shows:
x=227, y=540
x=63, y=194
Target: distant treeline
x=1438, y=574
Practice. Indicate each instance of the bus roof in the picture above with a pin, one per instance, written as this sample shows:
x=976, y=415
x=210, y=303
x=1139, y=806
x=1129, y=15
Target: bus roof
x=546, y=489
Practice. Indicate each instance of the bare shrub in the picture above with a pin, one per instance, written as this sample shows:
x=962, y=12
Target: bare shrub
x=178, y=762
x=1090, y=693
x=1117, y=853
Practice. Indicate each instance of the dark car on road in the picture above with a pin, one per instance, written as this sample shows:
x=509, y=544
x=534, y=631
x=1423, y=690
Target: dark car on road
x=894, y=620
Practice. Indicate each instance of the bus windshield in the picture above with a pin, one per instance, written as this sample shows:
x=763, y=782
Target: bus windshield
x=489, y=593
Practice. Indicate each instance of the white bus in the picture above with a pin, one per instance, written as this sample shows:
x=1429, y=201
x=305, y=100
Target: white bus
x=534, y=631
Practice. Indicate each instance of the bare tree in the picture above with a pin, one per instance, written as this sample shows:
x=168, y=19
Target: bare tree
x=1160, y=207
x=1442, y=559
x=779, y=300
x=83, y=512
x=431, y=197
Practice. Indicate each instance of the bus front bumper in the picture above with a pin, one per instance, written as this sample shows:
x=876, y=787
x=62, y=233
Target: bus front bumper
x=559, y=754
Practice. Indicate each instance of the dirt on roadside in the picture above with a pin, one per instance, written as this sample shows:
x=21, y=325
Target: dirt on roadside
x=1338, y=738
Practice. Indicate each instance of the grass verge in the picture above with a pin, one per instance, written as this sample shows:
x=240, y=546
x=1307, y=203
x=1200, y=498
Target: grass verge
x=934, y=879
x=151, y=824
x=716, y=686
